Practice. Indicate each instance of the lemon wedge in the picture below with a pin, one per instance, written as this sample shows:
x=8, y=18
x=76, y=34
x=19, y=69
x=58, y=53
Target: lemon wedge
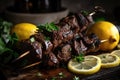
x=90, y=65
x=109, y=60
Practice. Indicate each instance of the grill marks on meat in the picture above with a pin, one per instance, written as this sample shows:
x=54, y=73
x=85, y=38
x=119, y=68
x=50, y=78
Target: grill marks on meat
x=46, y=44
x=92, y=42
x=72, y=22
x=38, y=48
x=64, y=34
x=86, y=44
x=64, y=52
x=82, y=22
x=68, y=28
x=50, y=60
x=47, y=47
x=79, y=47
x=69, y=40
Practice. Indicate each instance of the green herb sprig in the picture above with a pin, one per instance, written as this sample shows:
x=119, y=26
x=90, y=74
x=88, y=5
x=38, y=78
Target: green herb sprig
x=76, y=78
x=7, y=42
x=48, y=27
x=60, y=76
x=79, y=58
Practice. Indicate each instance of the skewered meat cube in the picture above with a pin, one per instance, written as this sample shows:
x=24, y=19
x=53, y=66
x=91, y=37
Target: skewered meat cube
x=64, y=52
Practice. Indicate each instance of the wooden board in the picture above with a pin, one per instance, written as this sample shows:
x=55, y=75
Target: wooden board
x=53, y=74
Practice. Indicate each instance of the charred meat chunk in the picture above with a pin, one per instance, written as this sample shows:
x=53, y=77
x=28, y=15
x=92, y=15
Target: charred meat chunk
x=79, y=47
x=47, y=46
x=37, y=48
x=50, y=60
x=64, y=53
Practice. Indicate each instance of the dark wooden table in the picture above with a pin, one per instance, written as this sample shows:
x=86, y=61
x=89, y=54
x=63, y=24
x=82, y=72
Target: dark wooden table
x=53, y=74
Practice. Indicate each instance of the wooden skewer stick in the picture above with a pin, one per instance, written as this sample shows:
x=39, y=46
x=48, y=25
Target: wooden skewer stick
x=31, y=65
x=104, y=40
x=22, y=55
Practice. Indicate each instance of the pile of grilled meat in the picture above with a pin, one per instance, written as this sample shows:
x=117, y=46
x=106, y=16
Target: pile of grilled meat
x=70, y=39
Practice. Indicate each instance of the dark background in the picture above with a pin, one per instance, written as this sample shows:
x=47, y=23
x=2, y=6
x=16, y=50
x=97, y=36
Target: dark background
x=78, y=5
x=75, y=5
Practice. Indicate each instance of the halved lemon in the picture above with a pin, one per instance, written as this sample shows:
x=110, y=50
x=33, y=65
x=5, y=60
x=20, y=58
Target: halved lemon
x=116, y=52
x=90, y=65
x=109, y=60
x=24, y=30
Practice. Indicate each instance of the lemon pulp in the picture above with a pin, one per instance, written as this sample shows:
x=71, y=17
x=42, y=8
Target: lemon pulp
x=90, y=65
x=109, y=60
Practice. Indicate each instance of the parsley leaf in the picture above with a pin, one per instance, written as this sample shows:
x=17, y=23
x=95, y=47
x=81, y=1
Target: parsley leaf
x=76, y=78
x=48, y=27
x=32, y=39
x=79, y=58
x=7, y=42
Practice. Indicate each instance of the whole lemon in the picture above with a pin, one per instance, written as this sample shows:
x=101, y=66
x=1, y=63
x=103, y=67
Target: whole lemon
x=107, y=33
x=24, y=30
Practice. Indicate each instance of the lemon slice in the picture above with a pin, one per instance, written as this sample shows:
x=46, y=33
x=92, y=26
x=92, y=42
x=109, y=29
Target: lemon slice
x=109, y=60
x=90, y=65
x=118, y=46
x=116, y=52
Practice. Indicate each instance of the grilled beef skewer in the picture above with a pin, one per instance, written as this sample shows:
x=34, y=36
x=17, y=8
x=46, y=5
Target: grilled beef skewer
x=69, y=40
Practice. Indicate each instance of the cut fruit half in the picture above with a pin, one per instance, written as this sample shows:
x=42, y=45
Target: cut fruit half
x=109, y=60
x=90, y=65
